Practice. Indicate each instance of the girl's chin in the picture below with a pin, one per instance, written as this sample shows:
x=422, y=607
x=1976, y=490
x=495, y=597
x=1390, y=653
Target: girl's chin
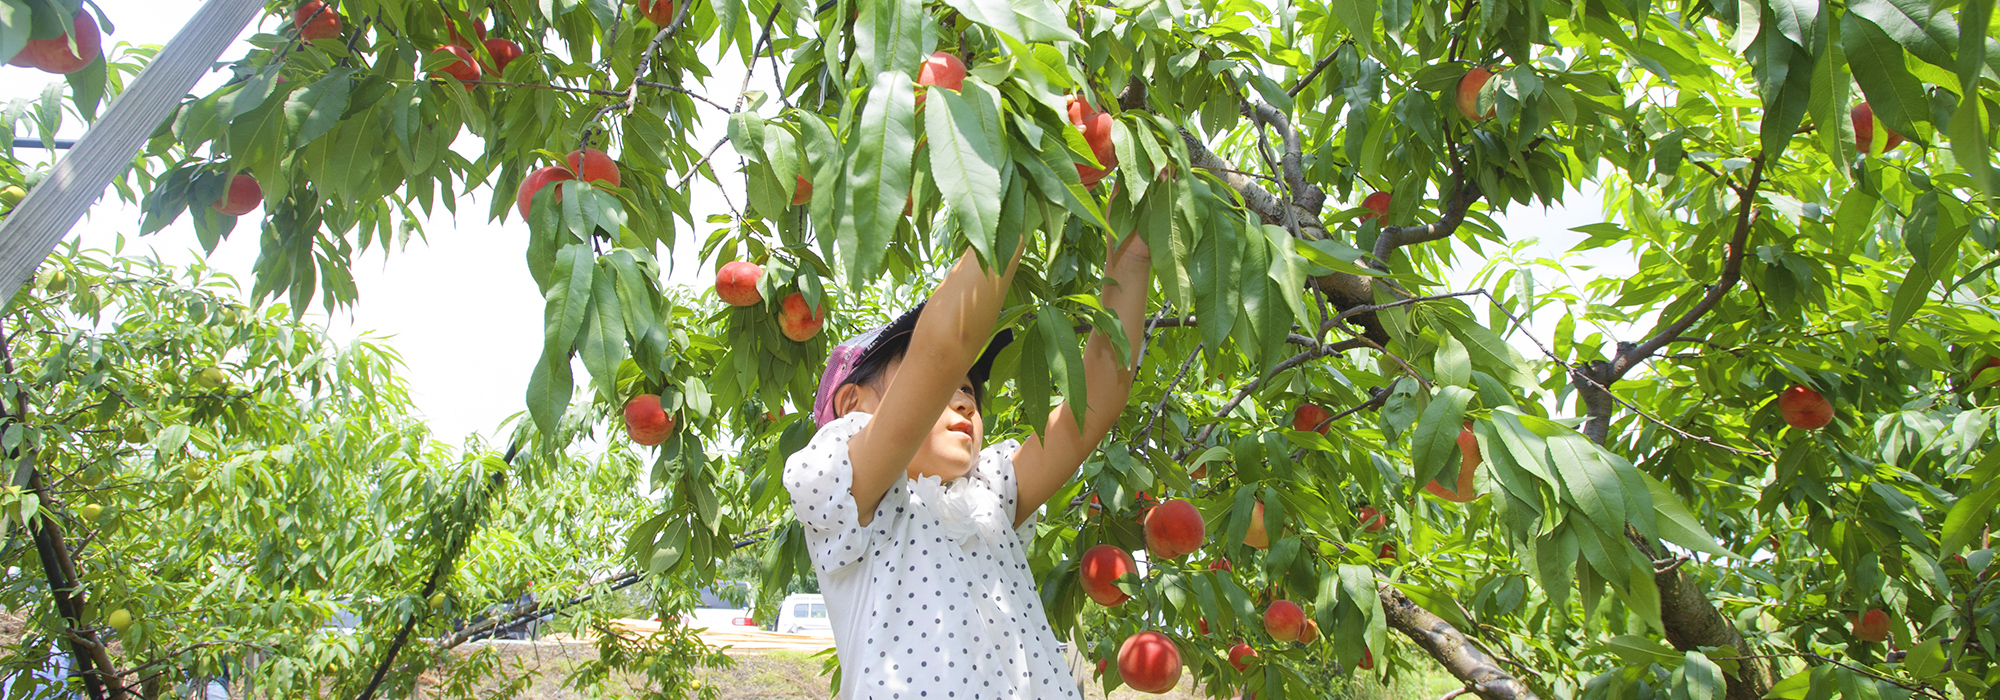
x=949, y=466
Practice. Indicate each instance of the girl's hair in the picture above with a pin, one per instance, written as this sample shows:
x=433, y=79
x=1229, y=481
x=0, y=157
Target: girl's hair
x=868, y=371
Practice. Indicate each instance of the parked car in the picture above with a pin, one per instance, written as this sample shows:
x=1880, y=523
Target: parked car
x=804, y=613
x=717, y=611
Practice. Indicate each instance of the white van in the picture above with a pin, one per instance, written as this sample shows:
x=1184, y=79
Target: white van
x=804, y=613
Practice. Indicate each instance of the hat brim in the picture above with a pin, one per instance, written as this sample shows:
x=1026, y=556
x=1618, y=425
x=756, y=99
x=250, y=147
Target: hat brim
x=896, y=335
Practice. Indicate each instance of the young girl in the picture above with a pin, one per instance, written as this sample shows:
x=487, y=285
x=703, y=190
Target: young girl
x=918, y=535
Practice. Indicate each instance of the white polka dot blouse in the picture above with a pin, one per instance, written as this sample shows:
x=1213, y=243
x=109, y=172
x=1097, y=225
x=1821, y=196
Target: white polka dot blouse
x=933, y=597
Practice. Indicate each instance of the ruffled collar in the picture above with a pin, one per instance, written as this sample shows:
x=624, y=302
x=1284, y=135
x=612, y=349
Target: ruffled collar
x=963, y=509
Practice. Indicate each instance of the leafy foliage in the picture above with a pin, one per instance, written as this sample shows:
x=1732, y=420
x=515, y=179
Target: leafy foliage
x=1773, y=248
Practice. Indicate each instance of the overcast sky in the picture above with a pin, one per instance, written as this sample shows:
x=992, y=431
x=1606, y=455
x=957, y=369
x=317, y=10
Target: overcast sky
x=460, y=306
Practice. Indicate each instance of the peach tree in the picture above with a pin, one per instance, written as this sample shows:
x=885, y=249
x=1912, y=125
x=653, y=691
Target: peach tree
x=1623, y=505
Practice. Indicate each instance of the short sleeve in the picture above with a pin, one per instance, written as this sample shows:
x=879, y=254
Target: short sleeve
x=819, y=477
x=996, y=469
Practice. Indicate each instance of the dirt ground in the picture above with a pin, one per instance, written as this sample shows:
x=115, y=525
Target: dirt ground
x=794, y=675
x=756, y=675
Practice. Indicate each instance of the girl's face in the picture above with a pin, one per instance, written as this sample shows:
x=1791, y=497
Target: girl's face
x=953, y=444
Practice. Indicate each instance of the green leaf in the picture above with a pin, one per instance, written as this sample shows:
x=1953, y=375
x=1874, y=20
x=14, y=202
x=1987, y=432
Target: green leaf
x=1065, y=355
x=1359, y=18
x=1589, y=482
x=995, y=14
x=1436, y=440
x=1042, y=21
x=16, y=23
x=1828, y=105
x=1641, y=594
x=1786, y=91
x=671, y=550
x=1877, y=62
x=257, y=141
x=1915, y=290
x=549, y=388
x=1679, y=526
x=603, y=334
x=1032, y=378
x=1969, y=515
x=1914, y=25
x=781, y=153
x=878, y=175
x=1796, y=19
x=1700, y=679
x=1969, y=124
x=1926, y=659
x=746, y=134
x=1288, y=268
x=889, y=34
x=1453, y=365
x=251, y=93
x=1215, y=274
x=1640, y=650
x=966, y=154
x=568, y=300
x=1488, y=351
x=315, y=109
x=86, y=88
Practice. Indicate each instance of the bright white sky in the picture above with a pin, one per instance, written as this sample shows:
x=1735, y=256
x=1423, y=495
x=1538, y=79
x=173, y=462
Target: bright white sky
x=460, y=306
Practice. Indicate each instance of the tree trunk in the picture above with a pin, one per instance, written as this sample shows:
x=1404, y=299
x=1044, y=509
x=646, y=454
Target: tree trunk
x=1480, y=673
x=1692, y=622
x=87, y=653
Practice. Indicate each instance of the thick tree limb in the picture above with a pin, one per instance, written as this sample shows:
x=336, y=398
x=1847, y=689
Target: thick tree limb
x=93, y=664
x=1308, y=197
x=533, y=612
x=1258, y=200
x=1463, y=194
x=1691, y=620
x=1593, y=381
x=1732, y=270
x=1459, y=657
x=1343, y=289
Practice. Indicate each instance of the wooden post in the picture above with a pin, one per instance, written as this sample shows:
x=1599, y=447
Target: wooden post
x=106, y=149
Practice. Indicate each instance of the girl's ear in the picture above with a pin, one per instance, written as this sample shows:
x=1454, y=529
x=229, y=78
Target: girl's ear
x=846, y=399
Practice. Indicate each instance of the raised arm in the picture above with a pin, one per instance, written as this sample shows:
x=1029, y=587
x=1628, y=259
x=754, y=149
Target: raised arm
x=1045, y=463
x=956, y=324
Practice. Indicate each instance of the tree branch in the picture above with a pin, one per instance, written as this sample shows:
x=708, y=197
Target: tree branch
x=1168, y=393
x=1732, y=270
x=1306, y=197
x=453, y=547
x=1267, y=206
x=1593, y=382
x=1314, y=73
x=539, y=610
x=58, y=565
x=1344, y=289
x=1463, y=194
x=1692, y=623
x=1134, y=94
x=618, y=581
x=1452, y=650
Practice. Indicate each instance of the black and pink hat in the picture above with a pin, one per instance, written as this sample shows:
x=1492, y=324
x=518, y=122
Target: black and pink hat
x=891, y=338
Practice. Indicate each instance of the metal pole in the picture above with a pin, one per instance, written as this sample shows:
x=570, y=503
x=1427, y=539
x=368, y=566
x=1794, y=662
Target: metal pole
x=39, y=222
x=37, y=143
